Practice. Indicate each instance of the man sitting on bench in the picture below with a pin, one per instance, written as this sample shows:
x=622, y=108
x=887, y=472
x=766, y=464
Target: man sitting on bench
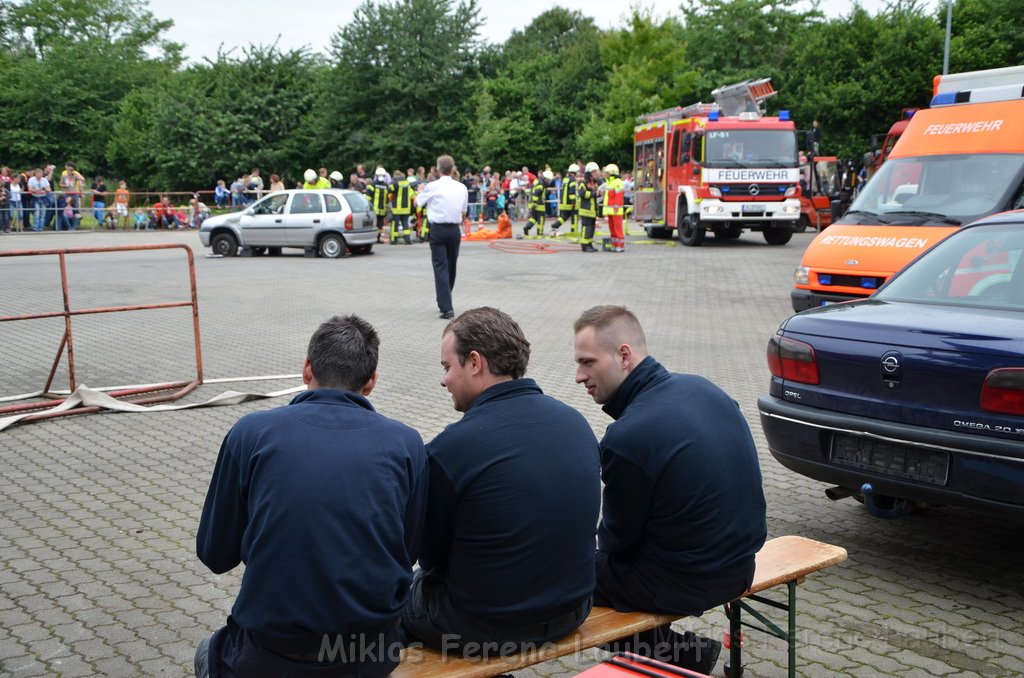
x=507, y=562
x=683, y=512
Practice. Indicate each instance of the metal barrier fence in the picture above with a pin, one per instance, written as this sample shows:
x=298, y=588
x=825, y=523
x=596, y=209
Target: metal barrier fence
x=178, y=388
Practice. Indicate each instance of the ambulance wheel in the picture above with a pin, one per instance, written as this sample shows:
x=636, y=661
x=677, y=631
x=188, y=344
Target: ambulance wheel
x=778, y=235
x=802, y=225
x=691, y=233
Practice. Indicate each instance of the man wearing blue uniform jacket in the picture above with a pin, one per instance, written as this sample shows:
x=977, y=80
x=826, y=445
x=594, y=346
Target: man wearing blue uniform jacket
x=508, y=550
x=683, y=512
x=323, y=500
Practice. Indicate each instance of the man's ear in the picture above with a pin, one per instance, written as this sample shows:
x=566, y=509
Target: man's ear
x=370, y=384
x=307, y=371
x=477, y=363
x=625, y=353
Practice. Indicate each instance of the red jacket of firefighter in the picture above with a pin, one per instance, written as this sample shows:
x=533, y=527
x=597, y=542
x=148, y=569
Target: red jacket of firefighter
x=614, y=196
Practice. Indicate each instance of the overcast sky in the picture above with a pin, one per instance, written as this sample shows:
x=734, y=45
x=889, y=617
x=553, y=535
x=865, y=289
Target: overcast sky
x=203, y=26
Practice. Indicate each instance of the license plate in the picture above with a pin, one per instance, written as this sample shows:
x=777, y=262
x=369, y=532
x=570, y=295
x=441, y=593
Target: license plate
x=752, y=209
x=892, y=459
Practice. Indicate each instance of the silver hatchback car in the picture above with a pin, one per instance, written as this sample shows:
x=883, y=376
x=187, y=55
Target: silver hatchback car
x=324, y=222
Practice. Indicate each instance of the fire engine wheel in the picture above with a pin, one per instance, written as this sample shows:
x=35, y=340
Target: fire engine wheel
x=691, y=233
x=802, y=225
x=778, y=235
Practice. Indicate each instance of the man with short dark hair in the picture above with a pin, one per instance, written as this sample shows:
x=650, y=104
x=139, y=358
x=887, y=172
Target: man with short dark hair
x=446, y=202
x=323, y=500
x=683, y=511
x=508, y=549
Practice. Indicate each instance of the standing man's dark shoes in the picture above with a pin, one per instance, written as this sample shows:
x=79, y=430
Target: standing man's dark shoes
x=447, y=315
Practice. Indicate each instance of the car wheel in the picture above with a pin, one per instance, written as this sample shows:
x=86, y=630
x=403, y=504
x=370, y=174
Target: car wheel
x=332, y=246
x=778, y=235
x=691, y=233
x=224, y=244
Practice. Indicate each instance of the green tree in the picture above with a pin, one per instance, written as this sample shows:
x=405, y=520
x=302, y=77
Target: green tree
x=648, y=72
x=856, y=73
x=732, y=40
x=219, y=119
x=68, y=65
x=547, y=79
x=402, y=83
x=986, y=34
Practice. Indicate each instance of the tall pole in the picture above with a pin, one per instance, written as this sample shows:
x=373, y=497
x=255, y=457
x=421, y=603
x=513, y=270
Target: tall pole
x=949, y=30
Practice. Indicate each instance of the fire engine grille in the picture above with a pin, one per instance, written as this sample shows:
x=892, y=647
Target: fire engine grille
x=746, y=191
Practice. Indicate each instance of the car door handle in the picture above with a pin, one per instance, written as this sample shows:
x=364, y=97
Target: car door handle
x=277, y=221
x=316, y=221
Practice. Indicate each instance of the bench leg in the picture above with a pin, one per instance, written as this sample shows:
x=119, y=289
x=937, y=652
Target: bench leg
x=736, y=624
x=735, y=640
x=791, y=636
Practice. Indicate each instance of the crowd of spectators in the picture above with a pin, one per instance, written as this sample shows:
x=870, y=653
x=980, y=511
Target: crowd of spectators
x=42, y=198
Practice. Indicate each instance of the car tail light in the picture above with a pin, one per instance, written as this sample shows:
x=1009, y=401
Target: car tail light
x=792, y=360
x=349, y=221
x=1003, y=391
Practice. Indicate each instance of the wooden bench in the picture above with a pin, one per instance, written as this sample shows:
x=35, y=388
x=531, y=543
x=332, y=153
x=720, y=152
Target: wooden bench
x=783, y=560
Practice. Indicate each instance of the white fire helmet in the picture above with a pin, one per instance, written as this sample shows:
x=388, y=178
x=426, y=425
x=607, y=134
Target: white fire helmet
x=573, y=168
x=612, y=168
x=592, y=167
x=310, y=176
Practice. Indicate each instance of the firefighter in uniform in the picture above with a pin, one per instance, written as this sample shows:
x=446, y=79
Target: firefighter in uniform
x=614, y=206
x=538, y=196
x=377, y=192
x=401, y=207
x=586, y=206
x=567, y=201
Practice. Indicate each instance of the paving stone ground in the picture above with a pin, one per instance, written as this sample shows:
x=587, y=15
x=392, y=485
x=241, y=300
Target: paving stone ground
x=98, y=512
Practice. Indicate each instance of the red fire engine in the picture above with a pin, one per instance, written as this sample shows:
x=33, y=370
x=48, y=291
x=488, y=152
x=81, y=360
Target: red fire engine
x=722, y=167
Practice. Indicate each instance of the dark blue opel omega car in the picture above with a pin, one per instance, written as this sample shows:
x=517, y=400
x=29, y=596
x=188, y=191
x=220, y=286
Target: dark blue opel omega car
x=914, y=396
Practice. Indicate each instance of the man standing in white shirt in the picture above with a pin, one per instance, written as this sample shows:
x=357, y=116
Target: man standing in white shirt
x=446, y=202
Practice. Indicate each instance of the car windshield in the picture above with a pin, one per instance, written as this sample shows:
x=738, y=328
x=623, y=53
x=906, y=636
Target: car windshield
x=942, y=190
x=357, y=202
x=750, y=148
x=978, y=267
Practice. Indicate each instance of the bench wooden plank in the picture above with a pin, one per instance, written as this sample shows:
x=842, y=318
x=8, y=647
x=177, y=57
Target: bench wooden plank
x=779, y=561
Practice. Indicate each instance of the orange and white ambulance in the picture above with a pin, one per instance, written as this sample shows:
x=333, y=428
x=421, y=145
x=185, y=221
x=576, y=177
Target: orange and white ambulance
x=957, y=161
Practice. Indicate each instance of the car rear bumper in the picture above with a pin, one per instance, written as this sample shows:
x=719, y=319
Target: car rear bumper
x=359, y=238
x=909, y=462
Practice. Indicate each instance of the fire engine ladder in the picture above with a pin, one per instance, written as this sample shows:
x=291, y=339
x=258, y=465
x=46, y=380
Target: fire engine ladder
x=744, y=97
